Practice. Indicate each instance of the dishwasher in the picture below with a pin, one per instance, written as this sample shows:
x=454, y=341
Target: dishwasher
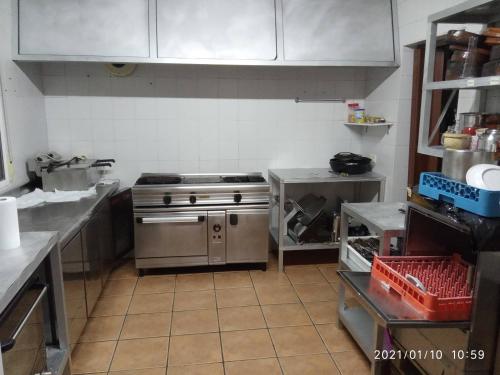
x=22, y=332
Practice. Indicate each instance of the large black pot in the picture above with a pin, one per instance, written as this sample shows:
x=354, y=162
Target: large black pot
x=349, y=163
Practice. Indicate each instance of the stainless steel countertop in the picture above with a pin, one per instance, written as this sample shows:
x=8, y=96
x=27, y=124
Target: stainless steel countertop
x=319, y=175
x=382, y=216
x=66, y=218
x=17, y=265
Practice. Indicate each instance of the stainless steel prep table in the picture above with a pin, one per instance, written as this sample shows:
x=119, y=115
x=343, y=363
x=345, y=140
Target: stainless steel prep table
x=384, y=219
x=17, y=266
x=282, y=182
x=67, y=218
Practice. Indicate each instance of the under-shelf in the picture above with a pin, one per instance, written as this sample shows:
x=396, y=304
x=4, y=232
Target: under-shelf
x=466, y=83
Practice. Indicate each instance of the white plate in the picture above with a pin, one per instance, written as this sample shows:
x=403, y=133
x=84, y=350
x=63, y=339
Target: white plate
x=484, y=176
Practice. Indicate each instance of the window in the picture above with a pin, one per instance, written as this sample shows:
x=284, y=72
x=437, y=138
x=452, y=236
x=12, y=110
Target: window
x=4, y=180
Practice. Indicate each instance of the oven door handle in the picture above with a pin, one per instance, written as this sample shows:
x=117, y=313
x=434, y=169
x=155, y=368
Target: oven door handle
x=11, y=342
x=171, y=220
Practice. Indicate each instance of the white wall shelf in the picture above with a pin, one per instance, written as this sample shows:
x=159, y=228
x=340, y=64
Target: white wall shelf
x=367, y=125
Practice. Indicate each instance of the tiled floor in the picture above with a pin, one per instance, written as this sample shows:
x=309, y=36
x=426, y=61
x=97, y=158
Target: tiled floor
x=242, y=322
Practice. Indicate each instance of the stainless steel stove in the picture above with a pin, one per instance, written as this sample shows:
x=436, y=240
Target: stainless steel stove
x=200, y=219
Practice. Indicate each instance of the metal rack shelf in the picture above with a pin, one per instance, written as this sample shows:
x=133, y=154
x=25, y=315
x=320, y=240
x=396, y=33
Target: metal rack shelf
x=484, y=12
x=491, y=82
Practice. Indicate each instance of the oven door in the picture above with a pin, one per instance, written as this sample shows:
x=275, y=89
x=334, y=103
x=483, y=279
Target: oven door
x=172, y=234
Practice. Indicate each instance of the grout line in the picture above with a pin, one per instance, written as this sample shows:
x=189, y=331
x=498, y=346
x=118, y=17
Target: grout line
x=170, y=327
x=220, y=332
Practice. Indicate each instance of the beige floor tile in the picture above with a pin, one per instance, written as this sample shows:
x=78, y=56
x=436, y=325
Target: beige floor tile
x=322, y=312
x=197, y=300
x=269, y=278
x=241, y=345
x=106, y=328
x=124, y=271
x=352, y=363
x=315, y=292
x=290, y=341
x=155, y=284
x=305, y=276
x=267, y=366
x=140, y=354
x=335, y=286
x=285, y=315
x=147, y=371
x=146, y=325
x=241, y=318
x=236, y=297
x=121, y=287
x=194, y=349
x=237, y=279
x=329, y=272
x=195, y=321
x=151, y=303
x=336, y=339
x=206, y=369
x=197, y=281
x=92, y=357
x=274, y=295
x=111, y=305
x=316, y=364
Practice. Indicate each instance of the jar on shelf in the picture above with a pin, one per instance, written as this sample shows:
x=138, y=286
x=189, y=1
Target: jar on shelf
x=351, y=107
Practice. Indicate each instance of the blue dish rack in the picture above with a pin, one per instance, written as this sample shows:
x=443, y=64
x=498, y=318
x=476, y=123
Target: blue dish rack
x=482, y=202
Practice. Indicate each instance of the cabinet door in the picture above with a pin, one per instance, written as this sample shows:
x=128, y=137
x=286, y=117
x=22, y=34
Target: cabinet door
x=247, y=235
x=338, y=30
x=92, y=261
x=217, y=29
x=84, y=27
x=74, y=288
x=106, y=240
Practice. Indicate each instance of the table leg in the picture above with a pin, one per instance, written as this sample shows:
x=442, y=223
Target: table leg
x=377, y=366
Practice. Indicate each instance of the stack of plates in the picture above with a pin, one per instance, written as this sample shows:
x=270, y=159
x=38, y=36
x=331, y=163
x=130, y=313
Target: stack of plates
x=484, y=176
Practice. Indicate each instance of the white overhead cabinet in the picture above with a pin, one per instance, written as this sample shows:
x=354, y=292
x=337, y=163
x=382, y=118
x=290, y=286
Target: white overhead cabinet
x=338, y=30
x=217, y=29
x=106, y=28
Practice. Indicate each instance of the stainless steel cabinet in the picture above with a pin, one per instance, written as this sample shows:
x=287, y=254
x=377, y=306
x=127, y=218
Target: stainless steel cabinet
x=247, y=235
x=217, y=29
x=84, y=27
x=106, y=240
x=338, y=30
x=92, y=267
x=74, y=287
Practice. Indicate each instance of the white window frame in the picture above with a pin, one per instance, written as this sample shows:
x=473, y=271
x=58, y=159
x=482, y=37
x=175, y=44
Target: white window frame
x=4, y=144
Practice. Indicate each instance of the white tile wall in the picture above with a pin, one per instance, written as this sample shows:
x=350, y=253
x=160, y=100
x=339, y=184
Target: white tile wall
x=24, y=103
x=200, y=119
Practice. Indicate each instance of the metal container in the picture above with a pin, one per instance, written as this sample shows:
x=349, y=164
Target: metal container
x=470, y=120
x=456, y=163
x=490, y=141
x=79, y=177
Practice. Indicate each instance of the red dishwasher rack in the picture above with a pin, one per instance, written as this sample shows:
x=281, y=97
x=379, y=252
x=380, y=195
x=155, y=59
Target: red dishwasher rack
x=446, y=293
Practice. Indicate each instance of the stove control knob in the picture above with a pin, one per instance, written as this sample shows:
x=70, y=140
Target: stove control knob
x=237, y=198
x=217, y=228
x=167, y=199
x=192, y=199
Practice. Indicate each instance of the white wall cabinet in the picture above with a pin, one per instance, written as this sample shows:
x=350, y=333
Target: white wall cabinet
x=84, y=27
x=338, y=30
x=217, y=29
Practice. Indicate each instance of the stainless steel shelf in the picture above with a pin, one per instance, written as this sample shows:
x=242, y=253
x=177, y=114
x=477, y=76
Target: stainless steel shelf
x=360, y=325
x=472, y=83
x=290, y=245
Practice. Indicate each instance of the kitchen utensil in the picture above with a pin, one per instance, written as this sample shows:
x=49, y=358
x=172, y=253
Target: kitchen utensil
x=456, y=141
x=347, y=162
x=484, y=176
x=490, y=140
x=470, y=119
x=456, y=163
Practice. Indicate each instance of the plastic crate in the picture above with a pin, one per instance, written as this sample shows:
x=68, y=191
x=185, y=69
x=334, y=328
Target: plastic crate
x=482, y=202
x=448, y=296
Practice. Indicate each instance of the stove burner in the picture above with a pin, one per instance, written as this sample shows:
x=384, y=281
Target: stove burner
x=159, y=180
x=242, y=179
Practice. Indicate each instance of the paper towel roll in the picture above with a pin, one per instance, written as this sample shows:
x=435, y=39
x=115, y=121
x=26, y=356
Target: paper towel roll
x=9, y=224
